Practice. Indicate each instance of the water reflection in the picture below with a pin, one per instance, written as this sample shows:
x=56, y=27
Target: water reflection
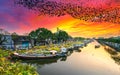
x=114, y=55
x=87, y=61
x=41, y=61
x=49, y=61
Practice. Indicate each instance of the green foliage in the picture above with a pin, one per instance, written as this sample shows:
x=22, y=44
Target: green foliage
x=48, y=48
x=11, y=68
x=54, y=48
x=79, y=38
x=14, y=68
x=14, y=37
x=54, y=37
x=61, y=35
x=33, y=35
x=40, y=47
x=111, y=40
x=41, y=34
x=2, y=39
x=5, y=53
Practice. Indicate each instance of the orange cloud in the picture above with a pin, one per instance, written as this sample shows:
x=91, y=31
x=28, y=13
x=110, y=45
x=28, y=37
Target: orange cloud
x=74, y=27
x=77, y=27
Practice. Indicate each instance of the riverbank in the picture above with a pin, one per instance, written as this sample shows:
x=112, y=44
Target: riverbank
x=8, y=67
x=116, y=46
x=15, y=68
x=90, y=61
x=115, y=54
x=46, y=49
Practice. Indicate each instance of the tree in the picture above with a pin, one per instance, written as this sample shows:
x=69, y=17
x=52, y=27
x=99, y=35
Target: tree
x=41, y=34
x=44, y=34
x=2, y=39
x=79, y=38
x=61, y=35
x=33, y=37
x=15, y=39
x=54, y=38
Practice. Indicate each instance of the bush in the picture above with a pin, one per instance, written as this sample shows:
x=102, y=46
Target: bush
x=14, y=68
x=54, y=48
x=5, y=53
x=40, y=47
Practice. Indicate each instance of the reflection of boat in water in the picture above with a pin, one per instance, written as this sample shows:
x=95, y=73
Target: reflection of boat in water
x=32, y=56
x=61, y=55
x=97, y=46
x=41, y=61
x=77, y=50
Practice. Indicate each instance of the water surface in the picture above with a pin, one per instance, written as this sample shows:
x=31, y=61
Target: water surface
x=89, y=61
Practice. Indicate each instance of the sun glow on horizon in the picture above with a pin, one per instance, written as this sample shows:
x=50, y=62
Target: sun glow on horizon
x=82, y=28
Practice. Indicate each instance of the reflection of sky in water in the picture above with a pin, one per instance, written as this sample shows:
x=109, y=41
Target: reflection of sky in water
x=88, y=62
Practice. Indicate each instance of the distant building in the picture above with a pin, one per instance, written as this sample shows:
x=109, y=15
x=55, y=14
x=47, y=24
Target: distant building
x=8, y=43
x=22, y=43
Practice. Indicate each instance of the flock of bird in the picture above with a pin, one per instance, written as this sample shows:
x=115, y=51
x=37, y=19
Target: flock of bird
x=78, y=11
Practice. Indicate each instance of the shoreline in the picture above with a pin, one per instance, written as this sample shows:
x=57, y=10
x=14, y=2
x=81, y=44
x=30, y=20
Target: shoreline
x=115, y=55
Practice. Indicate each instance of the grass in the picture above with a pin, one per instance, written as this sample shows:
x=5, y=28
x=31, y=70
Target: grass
x=54, y=46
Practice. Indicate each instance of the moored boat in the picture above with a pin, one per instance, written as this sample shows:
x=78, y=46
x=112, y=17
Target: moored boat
x=32, y=56
x=61, y=55
x=97, y=46
x=64, y=50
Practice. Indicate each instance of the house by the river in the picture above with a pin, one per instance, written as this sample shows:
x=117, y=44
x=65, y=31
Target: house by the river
x=22, y=43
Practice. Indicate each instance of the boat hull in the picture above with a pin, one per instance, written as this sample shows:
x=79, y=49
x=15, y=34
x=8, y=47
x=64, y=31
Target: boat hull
x=32, y=57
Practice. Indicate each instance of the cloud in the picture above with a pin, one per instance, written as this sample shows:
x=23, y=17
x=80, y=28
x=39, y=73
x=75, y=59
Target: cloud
x=89, y=29
x=13, y=17
x=16, y=18
x=88, y=10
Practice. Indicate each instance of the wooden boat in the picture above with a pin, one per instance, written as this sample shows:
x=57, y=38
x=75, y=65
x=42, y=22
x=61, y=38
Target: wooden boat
x=97, y=46
x=32, y=56
x=61, y=55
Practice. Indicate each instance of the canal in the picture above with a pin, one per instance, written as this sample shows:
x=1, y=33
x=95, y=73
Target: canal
x=90, y=61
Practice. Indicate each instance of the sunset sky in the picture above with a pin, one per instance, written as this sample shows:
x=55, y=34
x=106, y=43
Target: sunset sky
x=15, y=18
